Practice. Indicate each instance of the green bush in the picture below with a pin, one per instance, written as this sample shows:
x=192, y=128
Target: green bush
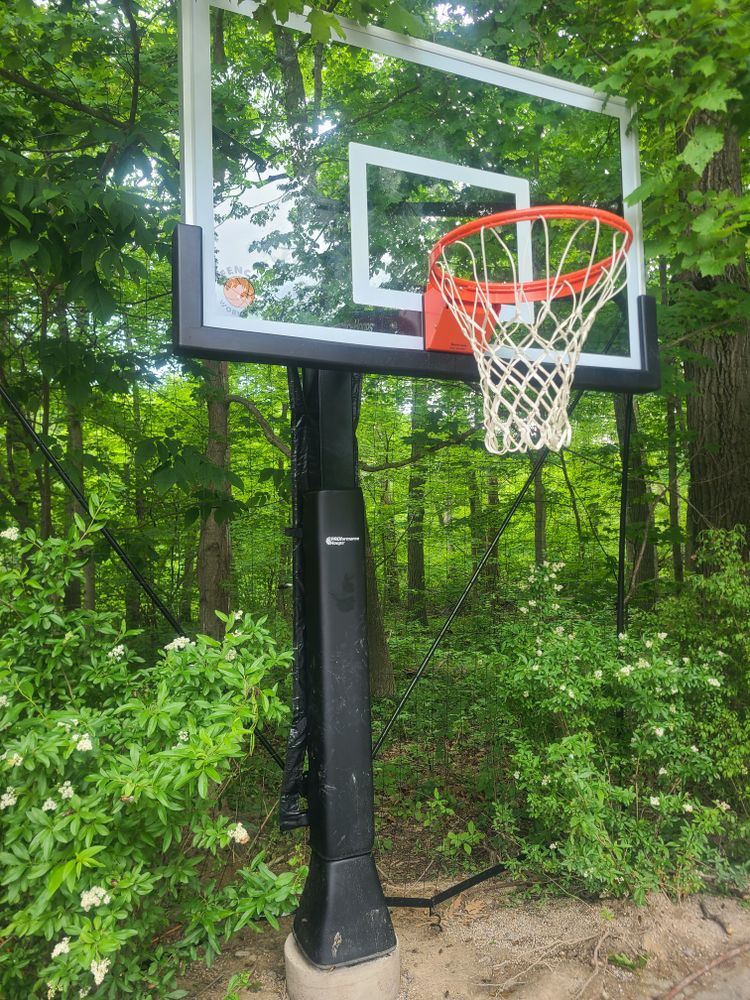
x=624, y=752
x=118, y=861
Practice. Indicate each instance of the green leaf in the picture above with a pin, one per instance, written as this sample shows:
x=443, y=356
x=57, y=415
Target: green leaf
x=22, y=247
x=706, y=66
x=402, y=20
x=716, y=98
x=55, y=879
x=322, y=25
x=704, y=144
x=18, y=217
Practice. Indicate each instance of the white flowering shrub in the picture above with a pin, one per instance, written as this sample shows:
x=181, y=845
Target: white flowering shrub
x=621, y=777
x=116, y=857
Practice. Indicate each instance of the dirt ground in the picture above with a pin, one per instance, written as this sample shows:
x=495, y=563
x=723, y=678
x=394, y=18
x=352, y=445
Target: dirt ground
x=492, y=942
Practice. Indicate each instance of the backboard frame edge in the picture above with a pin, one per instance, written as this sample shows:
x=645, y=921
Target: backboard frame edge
x=192, y=339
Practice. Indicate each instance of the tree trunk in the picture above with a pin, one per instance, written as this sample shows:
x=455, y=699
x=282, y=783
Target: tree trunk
x=416, y=601
x=718, y=408
x=391, y=588
x=186, y=584
x=382, y=678
x=493, y=502
x=45, y=492
x=641, y=550
x=132, y=588
x=475, y=518
x=17, y=495
x=675, y=530
x=540, y=514
x=214, y=549
x=74, y=459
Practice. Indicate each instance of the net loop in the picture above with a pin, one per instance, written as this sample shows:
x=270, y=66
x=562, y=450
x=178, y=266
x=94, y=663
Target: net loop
x=527, y=334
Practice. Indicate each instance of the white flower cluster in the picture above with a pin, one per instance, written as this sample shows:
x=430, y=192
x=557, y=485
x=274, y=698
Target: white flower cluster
x=95, y=896
x=67, y=726
x=181, y=642
x=99, y=970
x=4, y=701
x=231, y=654
x=654, y=800
x=10, y=534
x=658, y=731
x=8, y=798
x=61, y=948
x=116, y=653
x=49, y=805
x=15, y=759
x=83, y=742
x=687, y=807
x=724, y=806
x=714, y=682
x=239, y=834
x=66, y=791
x=183, y=736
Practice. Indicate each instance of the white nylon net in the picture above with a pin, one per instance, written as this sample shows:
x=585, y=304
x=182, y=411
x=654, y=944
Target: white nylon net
x=527, y=352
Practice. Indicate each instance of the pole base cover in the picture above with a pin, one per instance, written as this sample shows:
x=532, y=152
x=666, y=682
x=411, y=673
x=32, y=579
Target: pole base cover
x=342, y=916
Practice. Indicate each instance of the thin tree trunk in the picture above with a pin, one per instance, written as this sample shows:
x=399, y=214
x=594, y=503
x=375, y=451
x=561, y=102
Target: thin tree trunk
x=641, y=550
x=45, y=492
x=382, y=678
x=493, y=502
x=391, y=588
x=475, y=518
x=675, y=530
x=540, y=514
x=214, y=549
x=132, y=589
x=416, y=601
x=673, y=494
x=186, y=584
x=74, y=458
x=574, y=506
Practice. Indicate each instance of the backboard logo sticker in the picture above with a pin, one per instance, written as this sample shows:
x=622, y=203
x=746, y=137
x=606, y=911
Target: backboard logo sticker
x=239, y=293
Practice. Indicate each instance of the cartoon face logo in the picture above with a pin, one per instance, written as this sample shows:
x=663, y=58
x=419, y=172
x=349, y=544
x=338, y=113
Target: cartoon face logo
x=239, y=292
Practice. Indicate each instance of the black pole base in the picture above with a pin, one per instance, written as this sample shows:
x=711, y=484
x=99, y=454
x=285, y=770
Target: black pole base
x=342, y=917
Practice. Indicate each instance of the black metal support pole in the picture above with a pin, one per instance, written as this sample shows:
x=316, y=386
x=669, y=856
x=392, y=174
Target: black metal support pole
x=342, y=917
x=622, y=548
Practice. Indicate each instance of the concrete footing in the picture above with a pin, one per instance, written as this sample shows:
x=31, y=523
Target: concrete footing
x=377, y=979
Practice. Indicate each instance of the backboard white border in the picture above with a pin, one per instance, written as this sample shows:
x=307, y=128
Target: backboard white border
x=360, y=157
x=197, y=160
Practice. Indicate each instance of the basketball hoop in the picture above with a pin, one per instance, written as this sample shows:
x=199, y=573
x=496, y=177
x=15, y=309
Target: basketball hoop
x=526, y=334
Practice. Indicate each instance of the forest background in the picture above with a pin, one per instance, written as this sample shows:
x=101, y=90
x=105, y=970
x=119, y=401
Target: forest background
x=189, y=466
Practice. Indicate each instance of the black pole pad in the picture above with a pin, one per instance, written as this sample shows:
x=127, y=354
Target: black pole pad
x=340, y=789
x=342, y=917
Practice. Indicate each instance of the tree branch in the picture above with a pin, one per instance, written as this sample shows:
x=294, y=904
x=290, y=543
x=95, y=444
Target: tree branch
x=268, y=432
x=273, y=438
x=57, y=98
x=418, y=456
x=136, y=42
